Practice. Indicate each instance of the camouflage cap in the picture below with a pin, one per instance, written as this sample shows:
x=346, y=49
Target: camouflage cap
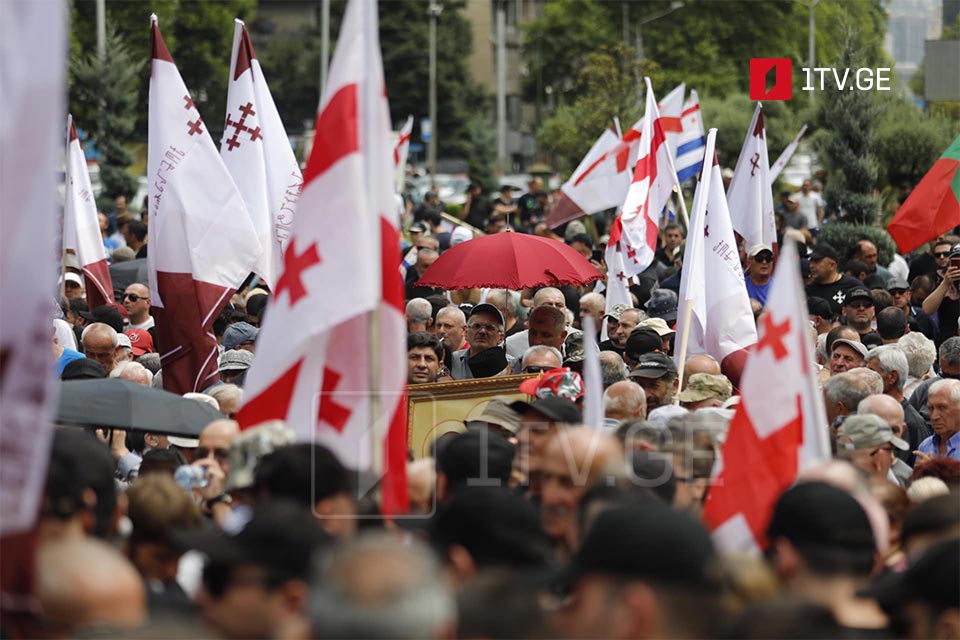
x=497, y=411
x=248, y=448
x=704, y=386
x=865, y=432
x=616, y=311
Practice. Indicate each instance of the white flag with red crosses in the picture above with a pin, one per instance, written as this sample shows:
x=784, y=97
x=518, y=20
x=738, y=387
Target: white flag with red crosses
x=750, y=195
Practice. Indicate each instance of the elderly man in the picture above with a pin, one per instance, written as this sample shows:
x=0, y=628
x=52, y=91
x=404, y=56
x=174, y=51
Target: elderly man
x=612, y=368
x=419, y=316
x=868, y=443
x=136, y=300
x=842, y=395
x=657, y=374
x=229, y=397
x=846, y=354
x=705, y=390
x=547, y=327
x=592, y=304
x=540, y=358
x=484, y=358
x=549, y=297
x=949, y=356
x=213, y=454
x=240, y=335
x=890, y=411
x=100, y=343
x=507, y=302
x=891, y=363
x=133, y=372
x=624, y=400
x=944, y=406
x=540, y=421
x=451, y=326
x=424, y=357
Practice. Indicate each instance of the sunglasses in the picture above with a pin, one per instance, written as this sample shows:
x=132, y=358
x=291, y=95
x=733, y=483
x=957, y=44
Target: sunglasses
x=536, y=369
x=132, y=297
x=220, y=454
x=941, y=254
x=860, y=304
x=897, y=292
x=763, y=257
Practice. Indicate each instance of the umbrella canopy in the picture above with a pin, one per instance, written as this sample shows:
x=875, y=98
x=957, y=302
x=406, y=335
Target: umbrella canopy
x=126, y=273
x=509, y=261
x=111, y=402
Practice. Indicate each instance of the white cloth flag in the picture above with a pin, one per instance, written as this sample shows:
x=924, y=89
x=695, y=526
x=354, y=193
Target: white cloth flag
x=203, y=243
x=257, y=152
x=720, y=321
x=32, y=64
x=81, y=224
x=401, y=150
x=784, y=158
x=671, y=110
x=313, y=367
x=749, y=195
x=592, y=376
x=692, y=141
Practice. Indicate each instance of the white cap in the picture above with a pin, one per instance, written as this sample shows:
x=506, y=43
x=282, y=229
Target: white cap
x=123, y=340
x=70, y=276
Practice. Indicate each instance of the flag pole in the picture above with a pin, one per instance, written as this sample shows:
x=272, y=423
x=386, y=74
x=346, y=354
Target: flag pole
x=684, y=340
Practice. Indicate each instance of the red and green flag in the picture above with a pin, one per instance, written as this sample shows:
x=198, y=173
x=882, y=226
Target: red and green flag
x=934, y=206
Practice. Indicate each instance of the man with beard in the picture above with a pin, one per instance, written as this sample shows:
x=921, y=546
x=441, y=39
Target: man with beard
x=657, y=374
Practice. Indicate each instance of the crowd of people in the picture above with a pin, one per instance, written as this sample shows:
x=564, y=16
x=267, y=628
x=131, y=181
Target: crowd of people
x=523, y=521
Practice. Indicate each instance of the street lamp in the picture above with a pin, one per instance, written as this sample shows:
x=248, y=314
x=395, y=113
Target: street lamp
x=676, y=4
x=435, y=9
x=501, y=86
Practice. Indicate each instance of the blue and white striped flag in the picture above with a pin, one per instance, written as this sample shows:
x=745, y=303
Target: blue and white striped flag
x=692, y=140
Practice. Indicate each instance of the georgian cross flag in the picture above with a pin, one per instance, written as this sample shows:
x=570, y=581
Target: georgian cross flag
x=81, y=224
x=750, y=196
x=711, y=283
x=779, y=428
x=202, y=241
x=257, y=152
x=331, y=353
x=671, y=110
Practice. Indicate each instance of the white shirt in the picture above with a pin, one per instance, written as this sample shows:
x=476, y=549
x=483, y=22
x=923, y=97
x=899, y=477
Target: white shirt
x=809, y=204
x=147, y=324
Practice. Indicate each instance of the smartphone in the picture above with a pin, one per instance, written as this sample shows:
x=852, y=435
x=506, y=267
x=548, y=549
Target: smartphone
x=955, y=262
x=597, y=255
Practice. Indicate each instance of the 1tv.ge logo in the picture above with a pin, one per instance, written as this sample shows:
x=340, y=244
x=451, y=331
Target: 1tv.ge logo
x=772, y=78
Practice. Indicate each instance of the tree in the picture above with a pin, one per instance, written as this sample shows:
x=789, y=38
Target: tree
x=731, y=117
x=482, y=161
x=103, y=100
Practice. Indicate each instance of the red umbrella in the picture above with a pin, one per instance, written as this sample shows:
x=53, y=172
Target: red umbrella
x=509, y=261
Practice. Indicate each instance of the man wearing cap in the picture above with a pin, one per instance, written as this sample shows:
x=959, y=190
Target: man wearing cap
x=705, y=390
x=868, y=443
x=108, y=314
x=73, y=286
x=498, y=417
x=657, y=374
x=136, y=300
x=826, y=281
x=485, y=357
x=858, y=310
x=902, y=294
x=760, y=272
x=240, y=335
x=662, y=304
x=540, y=421
x=424, y=357
x=141, y=342
x=234, y=365
x=612, y=318
x=663, y=330
x=640, y=343
x=846, y=354
x=943, y=403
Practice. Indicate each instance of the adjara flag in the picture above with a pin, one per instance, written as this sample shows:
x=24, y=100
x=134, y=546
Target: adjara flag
x=712, y=282
x=933, y=207
x=81, y=224
x=749, y=195
x=331, y=352
x=257, y=152
x=203, y=243
x=779, y=428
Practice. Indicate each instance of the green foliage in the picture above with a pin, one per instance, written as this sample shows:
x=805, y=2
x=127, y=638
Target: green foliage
x=845, y=135
x=291, y=66
x=731, y=117
x=907, y=141
x=103, y=100
x=843, y=236
x=482, y=160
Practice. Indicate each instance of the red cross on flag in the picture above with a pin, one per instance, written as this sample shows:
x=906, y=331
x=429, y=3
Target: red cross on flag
x=331, y=353
x=779, y=428
x=720, y=320
x=81, y=224
x=671, y=110
x=202, y=241
x=750, y=196
x=257, y=152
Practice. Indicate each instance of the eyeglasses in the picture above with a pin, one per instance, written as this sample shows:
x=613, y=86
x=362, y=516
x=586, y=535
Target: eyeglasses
x=941, y=254
x=860, y=304
x=536, y=369
x=488, y=328
x=763, y=258
x=132, y=297
x=897, y=292
x=220, y=454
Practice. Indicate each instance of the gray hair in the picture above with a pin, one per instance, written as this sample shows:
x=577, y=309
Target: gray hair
x=419, y=311
x=951, y=386
x=104, y=329
x=409, y=600
x=920, y=350
x=504, y=299
x=950, y=350
x=541, y=348
x=630, y=398
x=205, y=398
x=593, y=296
x=870, y=378
x=133, y=372
x=612, y=368
x=456, y=312
x=226, y=393
x=848, y=389
x=891, y=359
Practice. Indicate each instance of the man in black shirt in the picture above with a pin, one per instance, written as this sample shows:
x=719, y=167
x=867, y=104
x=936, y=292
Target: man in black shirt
x=827, y=282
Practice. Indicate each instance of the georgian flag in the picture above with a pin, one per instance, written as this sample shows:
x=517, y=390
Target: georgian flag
x=257, y=152
x=671, y=111
x=750, y=196
x=81, y=224
x=203, y=243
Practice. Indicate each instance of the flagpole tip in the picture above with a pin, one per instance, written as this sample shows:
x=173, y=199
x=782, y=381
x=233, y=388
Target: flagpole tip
x=239, y=22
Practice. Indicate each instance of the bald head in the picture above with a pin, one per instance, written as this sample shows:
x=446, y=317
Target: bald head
x=700, y=363
x=421, y=482
x=625, y=400
x=215, y=441
x=549, y=296
x=887, y=409
x=591, y=452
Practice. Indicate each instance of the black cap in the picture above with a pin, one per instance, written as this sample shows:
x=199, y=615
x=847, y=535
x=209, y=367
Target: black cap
x=280, y=536
x=554, y=408
x=418, y=227
x=498, y=528
x=934, y=579
x=83, y=369
x=817, y=516
x=476, y=455
x=824, y=250
x=652, y=542
x=654, y=365
x=641, y=342
x=662, y=304
x=819, y=307
x=107, y=314
x=857, y=293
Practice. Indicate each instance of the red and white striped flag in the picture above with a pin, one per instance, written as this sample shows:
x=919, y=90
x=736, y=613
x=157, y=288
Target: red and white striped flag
x=202, y=241
x=81, y=224
x=711, y=284
x=749, y=196
x=779, y=428
x=331, y=353
x=257, y=152
x=401, y=149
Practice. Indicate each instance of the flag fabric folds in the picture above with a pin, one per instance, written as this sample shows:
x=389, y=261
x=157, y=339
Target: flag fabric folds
x=203, y=243
x=257, y=152
x=933, y=207
x=81, y=224
x=778, y=430
x=690, y=145
x=784, y=157
x=401, y=150
x=671, y=112
x=712, y=283
x=749, y=196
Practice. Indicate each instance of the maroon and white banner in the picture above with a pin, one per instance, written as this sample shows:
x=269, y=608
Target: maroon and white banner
x=81, y=223
x=750, y=196
x=257, y=152
x=203, y=243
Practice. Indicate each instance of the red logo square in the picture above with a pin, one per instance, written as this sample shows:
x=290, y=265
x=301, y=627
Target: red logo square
x=760, y=69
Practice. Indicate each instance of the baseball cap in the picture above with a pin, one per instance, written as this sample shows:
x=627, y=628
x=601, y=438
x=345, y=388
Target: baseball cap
x=703, y=386
x=75, y=278
x=573, y=347
x=933, y=578
x=858, y=293
x=108, y=314
x=418, y=227
x=236, y=360
x=654, y=365
x=616, y=311
x=141, y=341
x=183, y=443
x=83, y=369
x=554, y=408
x=824, y=250
x=657, y=324
x=123, y=340
x=497, y=411
x=866, y=431
x=897, y=283
x=816, y=516
x=562, y=382
x=819, y=307
x=488, y=308
x=257, y=291
x=758, y=248
x=641, y=342
x=475, y=455
x=662, y=304
x=859, y=347
x=238, y=333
